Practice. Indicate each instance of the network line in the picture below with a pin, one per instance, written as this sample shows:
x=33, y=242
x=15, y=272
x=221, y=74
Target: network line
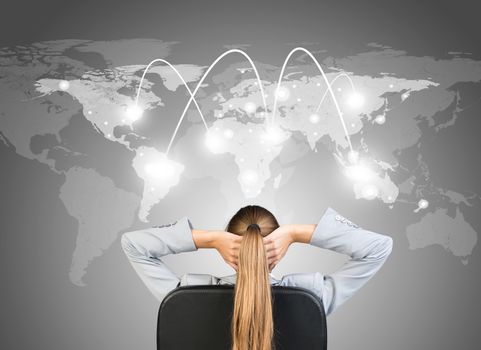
x=279, y=81
x=202, y=80
x=332, y=83
x=181, y=78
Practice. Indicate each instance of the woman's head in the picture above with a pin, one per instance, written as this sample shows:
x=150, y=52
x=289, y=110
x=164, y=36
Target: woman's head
x=252, y=325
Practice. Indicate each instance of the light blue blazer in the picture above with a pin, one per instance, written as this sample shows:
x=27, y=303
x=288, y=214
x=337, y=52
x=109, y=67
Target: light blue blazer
x=367, y=250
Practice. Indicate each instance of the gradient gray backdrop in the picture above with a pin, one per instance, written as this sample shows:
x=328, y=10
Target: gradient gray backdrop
x=421, y=300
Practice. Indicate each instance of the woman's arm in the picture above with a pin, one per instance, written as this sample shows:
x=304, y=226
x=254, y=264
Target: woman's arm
x=367, y=250
x=145, y=247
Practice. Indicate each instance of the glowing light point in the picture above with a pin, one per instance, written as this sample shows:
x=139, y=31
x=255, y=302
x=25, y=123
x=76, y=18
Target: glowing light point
x=353, y=125
x=213, y=142
x=339, y=89
x=106, y=123
x=108, y=135
x=141, y=154
x=370, y=192
x=318, y=84
x=63, y=85
x=161, y=170
x=298, y=99
x=315, y=133
x=314, y=118
x=356, y=100
x=273, y=133
x=380, y=119
x=359, y=173
x=134, y=112
x=89, y=112
x=228, y=133
x=230, y=106
x=391, y=86
x=353, y=157
x=294, y=86
x=249, y=177
x=250, y=107
x=242, y=159
x=250, y=130
x=423, y=204
x=283, y=93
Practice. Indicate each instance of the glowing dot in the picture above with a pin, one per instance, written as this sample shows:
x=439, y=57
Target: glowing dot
x=423, y=204
x=228, y=133
x=108, y=135
x=152, y=189
x=89, y=112
x=356, y=100
x=353, y=125
x=250, y=130
x=283, y=93
x=141, y=154
x=298, y=99
x=339, y=89
x=63, y=85
x=266, y=95
x=134, y=112
x=242, y=159
x=353, y=157
x=250, y=107
x=273, y=133
x=294, y=86
x=380, y=119
x=370, y=192
x=255, y=83
x=106, y=123
x=359, y=173
x=230, y=106
x=318, y=84
x=389, y=197
x=160, y=169
x=314, y=118
x=315, y=133
x=249, y=177
x=391, y=86
x=213, y=142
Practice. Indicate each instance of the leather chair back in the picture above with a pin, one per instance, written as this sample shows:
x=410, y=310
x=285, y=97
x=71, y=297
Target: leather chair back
x=198, y=317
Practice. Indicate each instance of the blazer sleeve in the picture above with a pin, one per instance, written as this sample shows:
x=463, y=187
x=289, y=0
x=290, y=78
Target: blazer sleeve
x=145, y=247
x=367, y=250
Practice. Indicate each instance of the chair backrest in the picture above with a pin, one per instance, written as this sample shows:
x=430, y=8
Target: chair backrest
x=198, y=317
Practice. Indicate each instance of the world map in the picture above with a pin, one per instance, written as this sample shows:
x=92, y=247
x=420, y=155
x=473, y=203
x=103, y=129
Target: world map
x=65, y=105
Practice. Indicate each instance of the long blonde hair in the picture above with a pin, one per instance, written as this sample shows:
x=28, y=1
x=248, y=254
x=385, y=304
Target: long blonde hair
x=252, y=326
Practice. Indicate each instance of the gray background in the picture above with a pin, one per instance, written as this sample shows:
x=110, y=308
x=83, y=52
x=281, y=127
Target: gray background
x=421, y=299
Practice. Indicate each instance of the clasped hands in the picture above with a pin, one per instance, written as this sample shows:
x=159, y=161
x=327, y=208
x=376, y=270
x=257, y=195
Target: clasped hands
x=276, y=244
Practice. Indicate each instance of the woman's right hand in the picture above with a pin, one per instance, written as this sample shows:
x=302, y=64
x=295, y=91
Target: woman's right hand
x=228, y=245
x=277, y=243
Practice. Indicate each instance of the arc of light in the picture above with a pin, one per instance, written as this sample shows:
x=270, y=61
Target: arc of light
x=326, y=81
x=332, y=83
x=181, y=78
x=202, y=80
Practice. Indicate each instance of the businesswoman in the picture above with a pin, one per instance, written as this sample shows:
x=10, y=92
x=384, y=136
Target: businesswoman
x=253, y=243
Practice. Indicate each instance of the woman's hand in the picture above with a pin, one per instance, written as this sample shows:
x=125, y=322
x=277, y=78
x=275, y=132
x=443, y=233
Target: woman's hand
x=228, y=245
x=276, y=244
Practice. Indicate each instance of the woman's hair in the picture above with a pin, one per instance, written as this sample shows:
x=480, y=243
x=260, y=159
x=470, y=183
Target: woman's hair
x=252, y=326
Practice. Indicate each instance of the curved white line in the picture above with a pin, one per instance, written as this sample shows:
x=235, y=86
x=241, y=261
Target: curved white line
x=326, y=81
x=181, y=78
x=202, y=80
x=332, y=83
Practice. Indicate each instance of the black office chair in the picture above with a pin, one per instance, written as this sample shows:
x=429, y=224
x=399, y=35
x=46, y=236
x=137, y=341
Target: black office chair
x=198, y=317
